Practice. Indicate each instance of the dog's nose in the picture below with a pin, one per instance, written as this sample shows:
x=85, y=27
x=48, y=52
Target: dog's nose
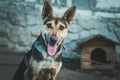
x=53, y=39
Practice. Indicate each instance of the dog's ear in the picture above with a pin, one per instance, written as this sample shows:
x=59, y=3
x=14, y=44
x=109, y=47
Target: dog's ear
x=69, y=14
x=47, y=10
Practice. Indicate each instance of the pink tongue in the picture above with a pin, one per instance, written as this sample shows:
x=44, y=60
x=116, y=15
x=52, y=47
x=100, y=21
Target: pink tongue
x=51, y=49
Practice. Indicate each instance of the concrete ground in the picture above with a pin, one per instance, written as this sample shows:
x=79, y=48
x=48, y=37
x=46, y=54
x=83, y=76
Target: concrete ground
x=10, y=62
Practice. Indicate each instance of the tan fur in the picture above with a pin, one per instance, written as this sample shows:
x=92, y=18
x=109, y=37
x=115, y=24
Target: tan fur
x=37, y=70
x=36, y=67
x=60, y=34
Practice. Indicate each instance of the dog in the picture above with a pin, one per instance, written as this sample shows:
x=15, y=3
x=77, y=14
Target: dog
x=44, y=60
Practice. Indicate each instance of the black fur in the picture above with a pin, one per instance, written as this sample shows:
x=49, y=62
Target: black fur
x=37, y=48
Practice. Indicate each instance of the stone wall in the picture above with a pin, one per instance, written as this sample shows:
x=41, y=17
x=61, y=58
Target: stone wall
x=20, y=24
x=108, y=3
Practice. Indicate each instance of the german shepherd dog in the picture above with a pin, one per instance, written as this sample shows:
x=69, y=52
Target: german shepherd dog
x=44, y=61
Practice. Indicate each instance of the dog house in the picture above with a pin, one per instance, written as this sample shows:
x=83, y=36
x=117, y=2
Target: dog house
x=97, y=52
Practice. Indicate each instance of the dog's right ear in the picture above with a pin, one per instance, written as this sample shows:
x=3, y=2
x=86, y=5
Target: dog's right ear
x=47, y=10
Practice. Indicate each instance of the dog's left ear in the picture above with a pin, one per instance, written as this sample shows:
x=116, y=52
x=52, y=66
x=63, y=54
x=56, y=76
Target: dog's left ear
x=47, y=10
x=69, y=14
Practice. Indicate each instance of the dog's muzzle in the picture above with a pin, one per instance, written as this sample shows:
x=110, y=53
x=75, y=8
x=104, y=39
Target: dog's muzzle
x=53, y=40
x=52, y=47
x=52, y=44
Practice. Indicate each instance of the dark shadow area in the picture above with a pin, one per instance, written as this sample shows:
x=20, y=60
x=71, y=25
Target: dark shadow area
x=98, y=55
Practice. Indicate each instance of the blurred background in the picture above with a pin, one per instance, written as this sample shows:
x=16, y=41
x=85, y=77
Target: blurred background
x=20, y=24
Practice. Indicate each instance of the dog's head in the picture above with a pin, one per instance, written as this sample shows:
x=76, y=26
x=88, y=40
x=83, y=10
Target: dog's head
x=55, y=27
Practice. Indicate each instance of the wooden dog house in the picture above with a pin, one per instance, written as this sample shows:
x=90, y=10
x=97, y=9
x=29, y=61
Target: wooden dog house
x=97, y=52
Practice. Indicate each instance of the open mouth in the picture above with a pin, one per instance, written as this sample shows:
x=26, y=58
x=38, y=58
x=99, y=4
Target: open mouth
x=51, y=49
x=52, y=45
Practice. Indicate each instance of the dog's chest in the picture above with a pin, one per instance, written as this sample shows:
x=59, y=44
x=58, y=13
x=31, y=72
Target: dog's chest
x=49, y=63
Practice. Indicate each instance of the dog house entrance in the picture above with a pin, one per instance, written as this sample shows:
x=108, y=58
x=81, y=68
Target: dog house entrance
x=98, y=56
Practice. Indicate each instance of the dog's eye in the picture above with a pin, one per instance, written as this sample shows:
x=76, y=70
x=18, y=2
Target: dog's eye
x=62, y=27
x=49, y=25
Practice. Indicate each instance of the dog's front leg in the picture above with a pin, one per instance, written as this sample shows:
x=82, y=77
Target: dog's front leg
x=27, y=75
x=47, y=74
x=58, y=67
x=32, y=71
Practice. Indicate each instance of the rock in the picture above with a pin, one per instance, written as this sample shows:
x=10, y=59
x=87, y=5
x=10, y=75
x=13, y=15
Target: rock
x=31, y=0
x=85, y=25
x=117, y=33
x=74, y=28
x=94, y=32
x=3, y=42
x=33, y=38
x=3, y=14
x=108, y=34
x=92, y=24
x=33, y=20
x=4, y=46
x=66, y=41
x=19, y=49
x=98, y=73
x=110, y=26
x=35, y=30
x=17, y=19
x=106, y=15
x=19, y=35
x=118, y=23
x=83, y=14
x=15, y=48
x=5, y=26
x=9, y=47
x=83, y=34
x=72, y=45
x=101, y=4
x=70, y=55
x=72, y=36
x=113, y=37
